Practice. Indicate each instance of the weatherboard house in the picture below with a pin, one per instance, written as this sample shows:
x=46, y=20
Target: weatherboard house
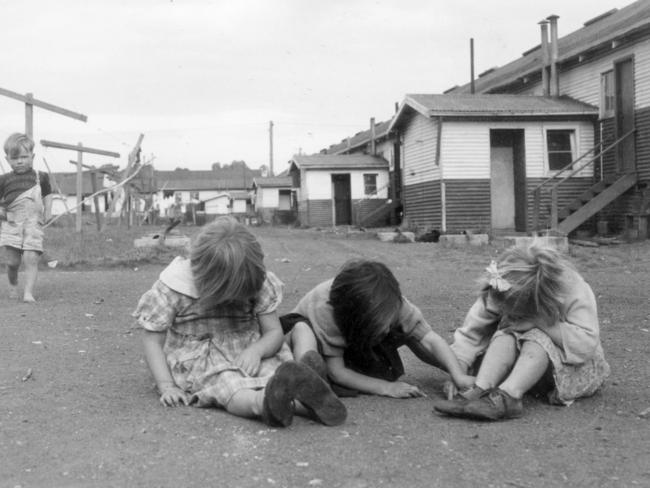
x=344, y=189
x=605, y=65
x=470, y=160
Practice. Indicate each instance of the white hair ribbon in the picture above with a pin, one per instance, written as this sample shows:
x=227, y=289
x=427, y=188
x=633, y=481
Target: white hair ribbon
x=496, y=281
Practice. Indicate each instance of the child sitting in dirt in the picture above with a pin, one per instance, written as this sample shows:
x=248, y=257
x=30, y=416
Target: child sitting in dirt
x=212, y=337
x=26, y=203
x=537, y=323
x=357, y=321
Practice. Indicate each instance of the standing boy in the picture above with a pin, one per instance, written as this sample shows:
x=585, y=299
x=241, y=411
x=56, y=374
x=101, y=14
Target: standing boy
x=25, y=204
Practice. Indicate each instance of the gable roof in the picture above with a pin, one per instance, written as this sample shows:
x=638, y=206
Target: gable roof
x=596, y=36
x=490, y=106
x=273, y=182
x=339, y=161
x=227, y=178
x=362, y=138
x=67, y=182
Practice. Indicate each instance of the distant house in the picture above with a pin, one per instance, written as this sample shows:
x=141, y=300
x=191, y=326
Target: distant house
x=469, y=161
x=606, y=64
x=275, y=199
x=378, y=140
x=203, y=191
x=64, y=189
x=340, y=189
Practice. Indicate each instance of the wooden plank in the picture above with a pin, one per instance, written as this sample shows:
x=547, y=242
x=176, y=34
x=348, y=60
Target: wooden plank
x=79, y=187
x=29, y=115
x=72, y=147
x=44, y=105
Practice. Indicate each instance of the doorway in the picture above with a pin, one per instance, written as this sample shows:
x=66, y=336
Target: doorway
x=507, y=180
x=624, y=115
x=342, y=199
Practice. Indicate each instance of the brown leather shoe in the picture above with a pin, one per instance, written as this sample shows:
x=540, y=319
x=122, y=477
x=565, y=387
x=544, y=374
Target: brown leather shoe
x=496, y=404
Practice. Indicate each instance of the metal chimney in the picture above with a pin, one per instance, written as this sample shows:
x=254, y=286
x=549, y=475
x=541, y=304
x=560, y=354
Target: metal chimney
x=373, y=144
x=545, y=57
x=555, y=79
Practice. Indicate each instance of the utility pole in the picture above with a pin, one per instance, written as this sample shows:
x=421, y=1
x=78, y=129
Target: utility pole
x=270, y=148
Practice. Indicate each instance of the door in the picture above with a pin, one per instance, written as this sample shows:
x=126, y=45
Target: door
x=507, y=180
x=342, y=199
x=624, y=115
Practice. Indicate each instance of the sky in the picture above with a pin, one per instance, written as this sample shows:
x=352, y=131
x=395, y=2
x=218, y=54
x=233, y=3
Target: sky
x=203, y=79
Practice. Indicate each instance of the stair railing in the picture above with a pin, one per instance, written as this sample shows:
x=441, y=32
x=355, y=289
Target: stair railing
x=572, y=169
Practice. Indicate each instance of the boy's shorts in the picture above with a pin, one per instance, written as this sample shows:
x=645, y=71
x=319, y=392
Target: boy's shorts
x=24, y=236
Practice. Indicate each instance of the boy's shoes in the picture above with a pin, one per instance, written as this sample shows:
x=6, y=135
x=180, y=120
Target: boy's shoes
x=315, y=362
x=494, y=404
x=456, y=406
x=294, y=381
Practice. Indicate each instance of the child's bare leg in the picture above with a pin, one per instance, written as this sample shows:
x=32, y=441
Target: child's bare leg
x=498, y=361
x=30, y=258
x=529, y=368
x=13, y=263
x=247, y=403
x=302, y=340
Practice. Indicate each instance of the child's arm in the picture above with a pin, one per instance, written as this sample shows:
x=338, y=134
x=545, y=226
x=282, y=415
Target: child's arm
x=47, y=208
x=266, y=346
x=170, y=394
x=367, y=384
x=434, y=350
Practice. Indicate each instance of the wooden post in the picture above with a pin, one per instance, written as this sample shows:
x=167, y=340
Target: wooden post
x=79, y=187
x=29, y=115
x=93, y=182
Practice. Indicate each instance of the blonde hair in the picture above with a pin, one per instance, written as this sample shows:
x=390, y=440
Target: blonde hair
x=530, y=282
x=227, y=264
x=17, y=141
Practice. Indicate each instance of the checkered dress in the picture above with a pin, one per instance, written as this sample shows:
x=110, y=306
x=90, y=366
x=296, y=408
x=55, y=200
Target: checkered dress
x=200, y=348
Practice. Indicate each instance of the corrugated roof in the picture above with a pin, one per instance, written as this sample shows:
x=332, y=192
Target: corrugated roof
x=360, y=139
x=597, y=33
x=497, y=105
x=235, y=176
x=339, y=161
x=274, y=181
x=67, y=183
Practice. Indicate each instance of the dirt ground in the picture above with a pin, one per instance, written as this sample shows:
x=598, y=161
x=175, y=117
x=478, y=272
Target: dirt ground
x=78, y=408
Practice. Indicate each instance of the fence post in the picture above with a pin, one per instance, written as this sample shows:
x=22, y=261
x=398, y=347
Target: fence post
x=554, y=218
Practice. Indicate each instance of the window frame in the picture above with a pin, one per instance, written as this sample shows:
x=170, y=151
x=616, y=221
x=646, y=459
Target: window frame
x=607, y=94
x=573, y=141
x=366, y=185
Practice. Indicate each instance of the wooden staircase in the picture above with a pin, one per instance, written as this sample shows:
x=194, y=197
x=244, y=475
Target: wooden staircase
x=592, y=201
x=589, y=202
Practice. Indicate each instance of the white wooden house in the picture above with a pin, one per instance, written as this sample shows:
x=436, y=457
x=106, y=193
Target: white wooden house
x=340, y=189
x=606, y=63
x=275, y=199
x=64, y=192
x=468, y=161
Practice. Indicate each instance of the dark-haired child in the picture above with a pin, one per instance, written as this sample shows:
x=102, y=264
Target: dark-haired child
x=212, y=337
x=536, y=322
x=357, y=321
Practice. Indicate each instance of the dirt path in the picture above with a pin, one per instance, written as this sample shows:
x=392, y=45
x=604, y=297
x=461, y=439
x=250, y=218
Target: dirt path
x=77, y=405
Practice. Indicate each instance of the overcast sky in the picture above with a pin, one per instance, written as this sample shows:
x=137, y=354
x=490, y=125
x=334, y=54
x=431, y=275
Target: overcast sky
x=202, y=79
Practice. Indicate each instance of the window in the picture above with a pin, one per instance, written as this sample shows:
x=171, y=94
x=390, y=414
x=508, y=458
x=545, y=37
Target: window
x=560, y=146
x=607, y=94
x=369, y=184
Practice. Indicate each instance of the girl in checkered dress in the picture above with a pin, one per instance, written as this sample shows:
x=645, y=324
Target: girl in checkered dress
x=212, y=337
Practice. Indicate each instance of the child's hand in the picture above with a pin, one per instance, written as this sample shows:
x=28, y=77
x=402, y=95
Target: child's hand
x=399, y=389
x=249, y=361
x=464, y=381
x=173, y=396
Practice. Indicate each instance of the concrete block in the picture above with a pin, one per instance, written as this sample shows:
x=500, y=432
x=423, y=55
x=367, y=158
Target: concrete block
x=558, y=242
x=390, y=236
x=451, y=240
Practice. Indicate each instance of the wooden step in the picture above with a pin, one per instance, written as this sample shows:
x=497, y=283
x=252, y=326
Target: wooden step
x=600, y=201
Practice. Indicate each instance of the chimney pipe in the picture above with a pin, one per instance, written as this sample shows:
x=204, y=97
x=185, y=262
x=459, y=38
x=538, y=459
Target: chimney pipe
x=471, y=66
x=545, y=55
x=373, y=144
x=555, y=80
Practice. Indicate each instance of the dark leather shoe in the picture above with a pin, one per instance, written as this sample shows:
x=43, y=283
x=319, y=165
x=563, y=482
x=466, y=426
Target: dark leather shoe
x=496, y=404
